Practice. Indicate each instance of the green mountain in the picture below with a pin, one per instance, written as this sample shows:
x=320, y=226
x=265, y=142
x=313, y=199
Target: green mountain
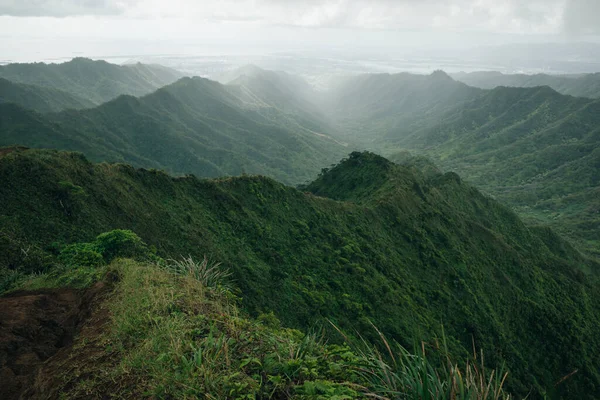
x=532, y=148
x=39, y=98
x=583, y=85
x=365, y=107
x=193, y=126
x=407, y=250
x=94, y=81
x=288, y=94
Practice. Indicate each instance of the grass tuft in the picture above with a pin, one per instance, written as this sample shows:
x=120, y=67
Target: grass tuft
x=396, y=373
x=211, y=275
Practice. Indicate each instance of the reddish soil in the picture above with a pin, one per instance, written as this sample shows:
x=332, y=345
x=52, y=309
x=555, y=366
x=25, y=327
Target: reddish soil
x=34, y=326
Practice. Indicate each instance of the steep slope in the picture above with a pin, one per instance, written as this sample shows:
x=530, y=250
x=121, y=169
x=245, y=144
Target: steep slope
x=289, y=94
x=532, y=148
x=584, y=85
x=95, y=81
x=193, y=126
x=365, y=107
x=406, y=250
x=39, y=98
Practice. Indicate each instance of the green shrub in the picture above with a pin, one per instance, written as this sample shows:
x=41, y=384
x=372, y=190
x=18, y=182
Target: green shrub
x=81, y=254
x=122, y=243
x=106, y=247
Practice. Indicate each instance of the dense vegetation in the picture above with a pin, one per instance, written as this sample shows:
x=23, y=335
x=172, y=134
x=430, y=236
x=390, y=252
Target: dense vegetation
x=93, y=81
x=39, y=98
x=366, y=107
x=583, y=85
x=407, y=250
x=192, y=126
x=173, y=329
x=532, y=148
x=370, y=249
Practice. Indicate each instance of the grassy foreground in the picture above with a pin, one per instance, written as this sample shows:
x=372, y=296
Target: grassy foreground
x=173, y=329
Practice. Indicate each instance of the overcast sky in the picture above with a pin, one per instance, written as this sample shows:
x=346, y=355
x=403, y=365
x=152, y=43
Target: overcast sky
x=37, y=26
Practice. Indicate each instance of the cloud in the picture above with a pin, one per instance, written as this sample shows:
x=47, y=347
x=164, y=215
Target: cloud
x=581, y=17
x=463, y=15
x=64, y=8
x=496, y=16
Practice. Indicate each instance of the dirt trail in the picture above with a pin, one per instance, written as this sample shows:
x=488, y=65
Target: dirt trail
x=34, y=326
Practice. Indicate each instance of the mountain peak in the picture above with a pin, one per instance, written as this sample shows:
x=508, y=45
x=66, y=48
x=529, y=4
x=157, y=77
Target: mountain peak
x=354, y=178
x=85, y=60
x=440, y=75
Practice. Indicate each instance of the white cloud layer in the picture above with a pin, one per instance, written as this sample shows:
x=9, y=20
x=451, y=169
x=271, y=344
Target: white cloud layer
x=572, y=17
x=64, y=8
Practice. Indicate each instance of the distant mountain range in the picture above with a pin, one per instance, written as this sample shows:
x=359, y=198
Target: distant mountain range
x=194, y=126
x=93, y=81
x=40, y=98
x=580, y=85
x=533, y=148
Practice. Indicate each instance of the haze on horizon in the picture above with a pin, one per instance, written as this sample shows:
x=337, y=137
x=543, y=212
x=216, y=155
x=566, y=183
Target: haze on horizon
x=43, y=30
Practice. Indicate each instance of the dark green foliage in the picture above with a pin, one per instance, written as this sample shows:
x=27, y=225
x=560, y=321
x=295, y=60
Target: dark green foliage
x=93, y=81
x=105, y=248
x=81, y=254
x=411, y=253
x=40, y=98
x=121, y=243
x=171, y=336
x=532, y=148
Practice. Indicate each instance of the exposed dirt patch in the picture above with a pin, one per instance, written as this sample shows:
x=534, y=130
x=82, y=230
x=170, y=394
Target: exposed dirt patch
x=34, y=326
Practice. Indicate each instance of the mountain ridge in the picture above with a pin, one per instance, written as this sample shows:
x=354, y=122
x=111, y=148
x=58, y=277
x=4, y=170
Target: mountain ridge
x=418, y=251
x=38, y=98
x=193, y=126
x=580, y=85
x=94, y=81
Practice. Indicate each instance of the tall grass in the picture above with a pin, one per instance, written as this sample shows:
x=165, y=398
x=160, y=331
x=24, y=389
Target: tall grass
x=396, y=373
x=211, y=275
x=177, y=338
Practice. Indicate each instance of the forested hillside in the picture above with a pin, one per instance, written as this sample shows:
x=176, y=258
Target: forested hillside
x=39, y=98
x=94, y=81
x=411, y=251
x=194, y=126
x=532, y=148
x=366, y=107
x=287, y=93
x=583, y=85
